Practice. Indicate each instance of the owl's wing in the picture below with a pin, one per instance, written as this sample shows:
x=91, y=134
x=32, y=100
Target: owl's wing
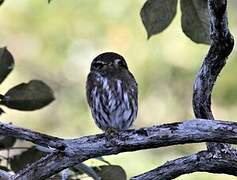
x=132, y=86
x=91, y=83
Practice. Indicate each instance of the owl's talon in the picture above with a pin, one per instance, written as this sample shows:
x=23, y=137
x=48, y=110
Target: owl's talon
x=111, y=131
x=111, y=135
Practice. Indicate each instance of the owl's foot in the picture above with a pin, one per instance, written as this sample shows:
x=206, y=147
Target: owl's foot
x=111, y=134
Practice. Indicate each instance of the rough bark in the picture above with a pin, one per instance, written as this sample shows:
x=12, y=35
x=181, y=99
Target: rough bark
x=69, y=152
x=221, y=46
x=204, y=161
x=5, y=175
x=219, y=158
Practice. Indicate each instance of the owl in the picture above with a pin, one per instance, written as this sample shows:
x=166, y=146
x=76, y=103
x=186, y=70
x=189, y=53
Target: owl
x=112, y=92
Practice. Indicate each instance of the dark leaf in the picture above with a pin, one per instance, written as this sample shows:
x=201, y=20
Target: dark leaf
x=6, y=62
x=49, y=1
x=195, y=20
x=4, y=168
x=1, y=2
x=87, y=170
x=1, y=111
x=18, y=162
x=6, y=141
x=28, y=96
x=111, y=172
x=103, y=160
x=157, y=15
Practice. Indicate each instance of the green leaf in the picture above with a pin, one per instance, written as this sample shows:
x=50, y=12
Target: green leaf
x=111, y=172
x=6, y=63
x=195, y=20
x=18, y=162
x=28, y=96
x=6, y=141
x=157, y=15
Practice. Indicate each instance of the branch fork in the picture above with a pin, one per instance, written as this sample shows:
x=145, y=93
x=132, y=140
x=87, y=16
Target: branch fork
x=218, y=158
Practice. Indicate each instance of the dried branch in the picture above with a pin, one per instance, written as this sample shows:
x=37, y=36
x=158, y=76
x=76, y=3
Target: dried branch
x=219, y=158
x=221, y=47
x=75, y=151
x=204, y=161
x=70, y=152
x=29, y=135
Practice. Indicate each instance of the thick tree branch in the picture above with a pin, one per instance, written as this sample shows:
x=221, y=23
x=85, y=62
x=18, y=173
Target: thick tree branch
x=29, y=135
x=49, y=165
x=221, y=46
x=221, y=158
x=5, y=175
x=204, y=161
x=69, y=152
x=78, y=150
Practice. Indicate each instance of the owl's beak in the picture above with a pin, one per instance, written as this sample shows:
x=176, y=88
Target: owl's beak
x=111, y=65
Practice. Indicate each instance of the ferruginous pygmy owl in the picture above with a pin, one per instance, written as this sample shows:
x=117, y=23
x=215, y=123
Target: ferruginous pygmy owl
x=111, y=92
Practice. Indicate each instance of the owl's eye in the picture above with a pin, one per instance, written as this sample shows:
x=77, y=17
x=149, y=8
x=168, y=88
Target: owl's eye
x=98, y=65
x=121, y=63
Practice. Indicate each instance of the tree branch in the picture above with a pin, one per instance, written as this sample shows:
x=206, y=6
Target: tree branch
x=5, y=175
x=204, y=161
x=75, y=151
x=29, y=135
x=221, y=158
x=221, y=46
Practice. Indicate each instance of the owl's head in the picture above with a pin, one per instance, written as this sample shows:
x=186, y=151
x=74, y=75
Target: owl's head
x=108, y=61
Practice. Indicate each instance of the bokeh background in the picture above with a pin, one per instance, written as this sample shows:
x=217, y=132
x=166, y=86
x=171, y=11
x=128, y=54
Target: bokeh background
x=56, y=43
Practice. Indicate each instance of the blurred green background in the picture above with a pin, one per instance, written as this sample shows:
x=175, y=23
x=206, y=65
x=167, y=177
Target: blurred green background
x=56, y=43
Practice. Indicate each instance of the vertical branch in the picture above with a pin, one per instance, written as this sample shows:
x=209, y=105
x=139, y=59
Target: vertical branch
x=221, y=46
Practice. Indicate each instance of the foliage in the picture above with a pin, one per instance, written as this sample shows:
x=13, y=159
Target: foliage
x=24, y=97
x=32, y=96
x=195, y=20
x=1, y=1
x=158, y=14
x=28, y=96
